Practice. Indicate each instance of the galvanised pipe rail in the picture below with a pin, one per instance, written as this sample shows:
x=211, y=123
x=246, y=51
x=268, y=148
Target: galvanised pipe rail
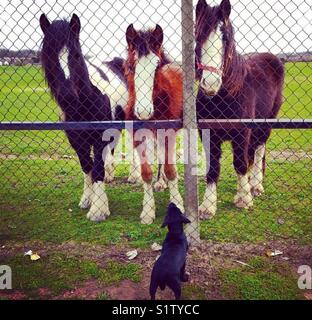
x=160, y=124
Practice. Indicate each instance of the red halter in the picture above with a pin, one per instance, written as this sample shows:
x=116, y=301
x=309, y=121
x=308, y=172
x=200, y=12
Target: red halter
x=201, y=66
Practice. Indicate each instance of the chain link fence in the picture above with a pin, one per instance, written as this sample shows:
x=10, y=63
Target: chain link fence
x=110, y=110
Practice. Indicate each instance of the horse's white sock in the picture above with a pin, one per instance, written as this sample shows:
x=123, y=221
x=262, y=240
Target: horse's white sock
x=208, y=207
x=85, y=201
x=175, y=195
x=109, y=167
x=243, y=198
x=99, y=210
x=256, y=172
x=148, y=213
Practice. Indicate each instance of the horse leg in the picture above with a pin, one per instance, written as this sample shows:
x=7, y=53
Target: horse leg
x=148, y=213
x=83, y=150
x=256, y=156
x=212, y=148
x=243, y=198
x=171, y=173
x=99, y=210
x=162, y=182
x=134, y=169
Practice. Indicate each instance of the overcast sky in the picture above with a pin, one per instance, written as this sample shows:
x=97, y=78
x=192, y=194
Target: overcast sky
x=263, y=25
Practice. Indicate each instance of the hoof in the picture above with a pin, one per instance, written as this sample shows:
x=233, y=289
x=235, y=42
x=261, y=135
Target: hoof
x=206, y=213
x=243, y=202
x=97, y=215
x=85, y=203
x=134, y=180
x=147, y=220
x=160, y=185
x=108, y=178
x=257, y=191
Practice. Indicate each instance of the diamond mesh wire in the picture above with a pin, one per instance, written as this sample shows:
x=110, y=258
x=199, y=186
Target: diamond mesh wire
x=54, y=171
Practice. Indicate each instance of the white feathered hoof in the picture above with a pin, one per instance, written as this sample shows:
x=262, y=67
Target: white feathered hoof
x=109, y=173
x=99, y=210
x=243, y=201
x=206, y=212
x=146, y=219
x=108, y=178
x=257, y=191
x=85, y=202
x=96, y=215
x=160, y=185
x=148, y=214
x=134, y=179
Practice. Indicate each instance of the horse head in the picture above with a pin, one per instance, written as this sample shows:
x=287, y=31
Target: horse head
x=145, y=55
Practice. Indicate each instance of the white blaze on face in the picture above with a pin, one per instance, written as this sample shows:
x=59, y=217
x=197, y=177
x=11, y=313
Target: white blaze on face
x=212, y=56
x=63, y=57
x=144, y=85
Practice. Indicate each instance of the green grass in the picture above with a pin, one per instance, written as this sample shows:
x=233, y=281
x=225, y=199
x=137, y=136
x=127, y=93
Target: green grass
x=193, y=292
x=24, y=97
x=39, y=199
x=58, y=273
x=263, y=280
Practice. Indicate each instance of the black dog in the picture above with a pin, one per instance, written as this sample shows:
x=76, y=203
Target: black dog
x=169, y=269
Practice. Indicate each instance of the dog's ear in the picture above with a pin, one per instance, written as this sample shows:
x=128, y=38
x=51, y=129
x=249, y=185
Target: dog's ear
x=184, y=219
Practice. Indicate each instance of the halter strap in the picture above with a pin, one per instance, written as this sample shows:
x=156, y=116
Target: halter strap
x=212, y=69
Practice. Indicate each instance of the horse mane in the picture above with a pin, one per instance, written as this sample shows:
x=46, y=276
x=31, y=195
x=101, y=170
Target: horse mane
x=55, y=40
x=117, y=66
x=234, y=64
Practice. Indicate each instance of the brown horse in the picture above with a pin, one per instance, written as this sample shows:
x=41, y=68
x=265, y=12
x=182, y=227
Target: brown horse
x=155, y=93
x=233, y=87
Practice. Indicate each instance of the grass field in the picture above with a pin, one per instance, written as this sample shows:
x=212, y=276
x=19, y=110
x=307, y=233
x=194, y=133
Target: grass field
x=40, y=191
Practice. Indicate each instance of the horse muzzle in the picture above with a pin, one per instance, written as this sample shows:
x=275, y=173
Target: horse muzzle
x=211, y=84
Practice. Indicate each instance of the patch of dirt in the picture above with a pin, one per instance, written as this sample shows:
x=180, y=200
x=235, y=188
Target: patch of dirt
x=89, y=291
x=12, y=295
x=308, y=295
x=204, y=264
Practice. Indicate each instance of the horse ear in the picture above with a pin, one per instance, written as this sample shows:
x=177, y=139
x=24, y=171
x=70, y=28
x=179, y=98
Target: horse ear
x=130, y=34
x=157, y=37
x=74, y=24
x=200, y=5
x=44, y=23
x=225, y=9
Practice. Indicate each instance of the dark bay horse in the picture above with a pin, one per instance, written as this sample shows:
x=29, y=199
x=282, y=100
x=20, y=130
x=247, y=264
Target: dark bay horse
x=155, y=93
x=79, y=100
x=232, y=86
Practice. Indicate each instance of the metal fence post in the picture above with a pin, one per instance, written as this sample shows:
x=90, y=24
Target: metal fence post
x=189, y=122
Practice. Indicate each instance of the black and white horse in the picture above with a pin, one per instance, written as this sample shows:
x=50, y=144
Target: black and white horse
x=84, y=92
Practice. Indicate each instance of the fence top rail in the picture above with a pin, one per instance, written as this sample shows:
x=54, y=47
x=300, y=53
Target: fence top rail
x=161, y=124
x=255, y=123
